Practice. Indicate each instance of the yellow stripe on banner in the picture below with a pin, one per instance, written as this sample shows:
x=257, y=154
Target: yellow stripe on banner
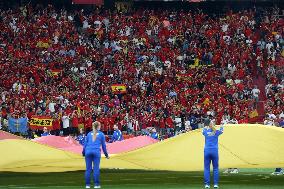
x=262, y=150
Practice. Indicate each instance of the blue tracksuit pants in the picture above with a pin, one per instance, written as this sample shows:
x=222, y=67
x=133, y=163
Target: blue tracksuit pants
x=211, y=155
x=92, y=159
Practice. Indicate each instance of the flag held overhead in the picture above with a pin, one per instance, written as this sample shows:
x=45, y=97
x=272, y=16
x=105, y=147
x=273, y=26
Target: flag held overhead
x=118, y=88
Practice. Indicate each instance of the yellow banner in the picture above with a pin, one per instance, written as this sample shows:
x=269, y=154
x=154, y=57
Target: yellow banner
x=40, y=121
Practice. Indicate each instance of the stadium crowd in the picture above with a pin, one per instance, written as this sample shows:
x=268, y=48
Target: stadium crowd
x=178, y=67
x=275, y=96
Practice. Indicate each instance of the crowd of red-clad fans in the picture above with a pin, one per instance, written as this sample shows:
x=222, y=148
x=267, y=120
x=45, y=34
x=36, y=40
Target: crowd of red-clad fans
x=274, y=91
x=178, y=66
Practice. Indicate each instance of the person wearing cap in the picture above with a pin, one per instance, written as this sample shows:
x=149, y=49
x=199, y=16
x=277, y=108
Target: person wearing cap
x=211, y=154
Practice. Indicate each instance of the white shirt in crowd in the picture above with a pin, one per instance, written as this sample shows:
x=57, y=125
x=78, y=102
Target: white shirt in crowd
x=167, y=63
x=187, y=124
x=281, y=116
x=178, y=121
x=51, y=107
x=89, y=63
x=225, y=27
x=224, y=121
x=17, y=87
x=74, y=69
x=3, y=97
x=65, y=120
x=85, y=24
x=248, y=41
x=268, y=46
x=268, y=122
x=255, y=92
x=272, y=116
x=130, y=125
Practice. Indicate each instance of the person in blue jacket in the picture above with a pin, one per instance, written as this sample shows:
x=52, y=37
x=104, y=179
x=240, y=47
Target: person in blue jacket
x=45, y=132
x=211, y=152
x=81, y=137
x=92, y=152
x=117, y=134
x=154, y=134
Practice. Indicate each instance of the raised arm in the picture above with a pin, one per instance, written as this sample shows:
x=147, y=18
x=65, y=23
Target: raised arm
x=221, y=130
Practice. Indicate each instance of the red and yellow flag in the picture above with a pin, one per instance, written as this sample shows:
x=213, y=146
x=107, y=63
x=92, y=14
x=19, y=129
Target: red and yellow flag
x=55, y=72
x=118, y=88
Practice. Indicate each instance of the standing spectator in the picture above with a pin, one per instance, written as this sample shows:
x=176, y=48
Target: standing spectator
x=66, y=124
x=51, y=107
x=255, y=93
x=75, y=123
x=178, y=124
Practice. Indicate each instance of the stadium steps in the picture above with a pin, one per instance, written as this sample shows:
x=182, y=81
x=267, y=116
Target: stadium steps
x=260, y=82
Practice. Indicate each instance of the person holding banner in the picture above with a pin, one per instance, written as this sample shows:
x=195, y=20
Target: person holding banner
x=92, y=152
x=211, y=153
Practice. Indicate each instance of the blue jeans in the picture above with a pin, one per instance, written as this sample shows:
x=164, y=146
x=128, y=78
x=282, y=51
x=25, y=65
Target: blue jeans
x=211, y=155
x=92, y=159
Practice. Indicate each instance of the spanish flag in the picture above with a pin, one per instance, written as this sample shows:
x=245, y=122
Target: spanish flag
x=253, y=114
x=183, y=77
x=55, y=72
x=118, y=88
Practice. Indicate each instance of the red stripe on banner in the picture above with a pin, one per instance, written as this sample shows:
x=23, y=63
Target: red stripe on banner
x=89, y=2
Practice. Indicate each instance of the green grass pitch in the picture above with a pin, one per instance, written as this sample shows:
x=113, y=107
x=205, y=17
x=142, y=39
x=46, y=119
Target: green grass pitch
x=134, y=179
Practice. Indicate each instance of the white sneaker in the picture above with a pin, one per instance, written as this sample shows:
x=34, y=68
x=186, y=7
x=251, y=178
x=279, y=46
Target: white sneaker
x=235, y=171
x=88, y=186
x=207, y=186
x=276, y=173
x=227, y=171
x=216, y=186
x=97, y=186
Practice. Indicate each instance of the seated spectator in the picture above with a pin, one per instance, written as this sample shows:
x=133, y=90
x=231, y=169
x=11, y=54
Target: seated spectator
x=268, y=121
x=81, y=137
x=45, y=132
x=154, y=134
x=281, y=122
x=117, y=134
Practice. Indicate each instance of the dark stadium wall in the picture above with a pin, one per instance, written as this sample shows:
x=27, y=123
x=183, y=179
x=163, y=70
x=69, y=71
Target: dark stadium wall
x=208, y=6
